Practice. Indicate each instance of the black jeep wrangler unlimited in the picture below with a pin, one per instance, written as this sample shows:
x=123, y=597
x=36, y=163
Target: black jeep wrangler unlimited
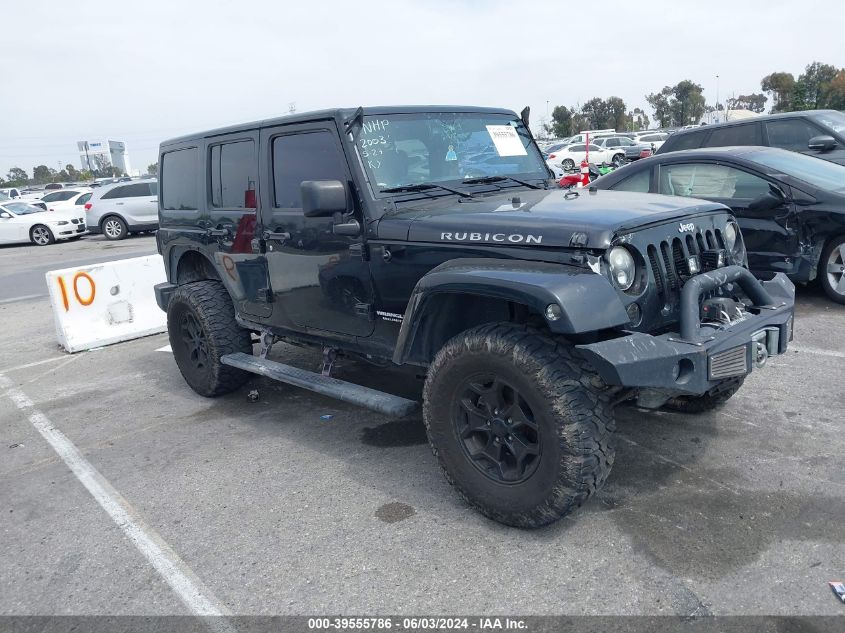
x=433, y=236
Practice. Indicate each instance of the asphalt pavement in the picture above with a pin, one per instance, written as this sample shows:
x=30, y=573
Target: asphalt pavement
x=298, y=504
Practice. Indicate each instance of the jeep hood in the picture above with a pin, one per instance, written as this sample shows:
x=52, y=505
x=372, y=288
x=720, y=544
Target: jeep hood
x=536, y=217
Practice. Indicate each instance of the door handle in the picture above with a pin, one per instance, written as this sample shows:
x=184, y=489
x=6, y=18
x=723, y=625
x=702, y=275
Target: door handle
x=118, y=204
x=270, y=235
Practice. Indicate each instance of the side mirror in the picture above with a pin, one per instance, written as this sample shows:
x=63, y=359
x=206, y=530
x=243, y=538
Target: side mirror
x=822, y=143
x=772, y=199
x=321, y=198
x=5, y=216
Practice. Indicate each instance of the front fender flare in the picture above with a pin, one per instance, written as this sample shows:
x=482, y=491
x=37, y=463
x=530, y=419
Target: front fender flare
x=588, y=300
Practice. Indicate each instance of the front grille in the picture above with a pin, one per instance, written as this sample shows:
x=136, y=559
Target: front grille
x=74, y=220
x=668, y=259
x=734, y=362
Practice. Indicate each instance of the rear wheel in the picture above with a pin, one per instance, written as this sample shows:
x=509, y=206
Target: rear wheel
x=618, y=160
x=114, y=228
x=521, y=427
x=202, y=329
x=832, y=269
x=711, y=400
x=568, y=164
x=41, y=235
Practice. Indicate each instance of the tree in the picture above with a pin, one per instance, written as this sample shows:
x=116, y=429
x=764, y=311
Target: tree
x=101, y=164
x=115, y=172
x=72, y=174
x=561, y=127
x=43, y=174
x=637, y=120
x=688, y=102
x=780, y=86
x=754, y=102
x=84, y=175
x=811, y=89
x=152, y=170
x=836, y=92
x=17, y=177
x=660, y=103
x=62, y=176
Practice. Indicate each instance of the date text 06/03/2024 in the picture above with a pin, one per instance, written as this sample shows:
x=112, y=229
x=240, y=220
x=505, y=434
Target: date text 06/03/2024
x=416, y=623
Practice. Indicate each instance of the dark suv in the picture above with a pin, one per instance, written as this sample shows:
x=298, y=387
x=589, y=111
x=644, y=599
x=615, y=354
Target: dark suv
x=818, y=133
x=431, y=237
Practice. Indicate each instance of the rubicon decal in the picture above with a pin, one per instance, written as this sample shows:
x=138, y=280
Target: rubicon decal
x=513, y=238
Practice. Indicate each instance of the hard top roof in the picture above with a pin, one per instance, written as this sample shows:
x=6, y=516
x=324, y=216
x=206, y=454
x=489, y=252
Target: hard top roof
x=338, y=114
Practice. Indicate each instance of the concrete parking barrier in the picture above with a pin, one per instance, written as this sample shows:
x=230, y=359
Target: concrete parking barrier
x=106, y=303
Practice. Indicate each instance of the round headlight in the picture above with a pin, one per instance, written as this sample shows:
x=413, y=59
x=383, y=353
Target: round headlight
x=730, y=236
x=622, y=266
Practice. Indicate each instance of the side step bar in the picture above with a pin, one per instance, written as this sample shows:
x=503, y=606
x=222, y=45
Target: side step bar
x=332, y=387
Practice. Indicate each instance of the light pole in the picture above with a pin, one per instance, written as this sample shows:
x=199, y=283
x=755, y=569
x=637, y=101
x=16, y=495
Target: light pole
x=717, y=98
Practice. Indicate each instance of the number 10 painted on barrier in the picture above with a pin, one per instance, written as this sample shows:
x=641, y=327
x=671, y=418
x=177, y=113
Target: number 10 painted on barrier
x=83, y=301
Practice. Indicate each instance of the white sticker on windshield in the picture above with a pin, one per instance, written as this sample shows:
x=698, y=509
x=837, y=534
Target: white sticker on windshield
x=506, y=140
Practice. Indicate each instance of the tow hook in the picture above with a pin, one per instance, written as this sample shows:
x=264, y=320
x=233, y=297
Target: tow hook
x=766, y=343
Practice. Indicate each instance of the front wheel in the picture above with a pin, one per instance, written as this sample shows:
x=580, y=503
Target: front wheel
x=41, y=235
x=202, y=329
x=568, y=164
x=521, y=427
x=618, y=160
x=832, y=269
x=114, y=228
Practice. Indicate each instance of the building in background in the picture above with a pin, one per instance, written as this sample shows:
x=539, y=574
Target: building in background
x=95, y=156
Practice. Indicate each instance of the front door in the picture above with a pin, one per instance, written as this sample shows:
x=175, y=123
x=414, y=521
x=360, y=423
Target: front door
x=770, y=236
x=319, y=281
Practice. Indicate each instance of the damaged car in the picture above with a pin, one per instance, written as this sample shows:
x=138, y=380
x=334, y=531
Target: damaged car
x=380, y=234
x=790, y=206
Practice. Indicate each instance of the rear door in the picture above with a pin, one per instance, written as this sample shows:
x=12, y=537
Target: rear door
x=771, y=236
x=138, y=203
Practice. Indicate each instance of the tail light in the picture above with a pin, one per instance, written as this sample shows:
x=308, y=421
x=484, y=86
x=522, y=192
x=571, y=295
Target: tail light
x=88, y=206
x=645, y=153
x=551, y=156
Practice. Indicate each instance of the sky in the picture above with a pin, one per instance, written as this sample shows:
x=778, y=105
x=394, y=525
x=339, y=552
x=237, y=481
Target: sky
x=146, y=71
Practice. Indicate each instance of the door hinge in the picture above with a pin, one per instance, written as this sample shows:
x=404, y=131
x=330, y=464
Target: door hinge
x=365, y=311
x=360, y=250
x=264, y=295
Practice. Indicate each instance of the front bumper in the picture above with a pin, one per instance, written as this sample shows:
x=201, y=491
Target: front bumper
x=696, y=363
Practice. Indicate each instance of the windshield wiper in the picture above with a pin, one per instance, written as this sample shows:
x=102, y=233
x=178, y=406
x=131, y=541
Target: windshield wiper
x=486, y=179
x=425, y=186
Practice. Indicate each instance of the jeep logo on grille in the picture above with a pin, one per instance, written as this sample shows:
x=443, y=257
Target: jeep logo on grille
x=686, y=228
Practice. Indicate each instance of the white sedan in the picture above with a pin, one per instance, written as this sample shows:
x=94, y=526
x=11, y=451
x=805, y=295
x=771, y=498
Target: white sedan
x=22, y=222
x=67, y=199
x=571, y=156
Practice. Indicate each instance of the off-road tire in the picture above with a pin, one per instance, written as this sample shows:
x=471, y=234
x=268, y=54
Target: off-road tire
x=41, y=235
x=824, y=274
x=571, y=408
x=709, y=401
x=114, y=228
x=209, y=306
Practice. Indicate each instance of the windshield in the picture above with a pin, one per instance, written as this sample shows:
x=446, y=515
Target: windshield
x=435, y=147
x=22, y=208
x=815, y=171
x=834, y=120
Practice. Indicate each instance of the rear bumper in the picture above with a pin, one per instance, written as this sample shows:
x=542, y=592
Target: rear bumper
x=163, y=292
x=696, y=365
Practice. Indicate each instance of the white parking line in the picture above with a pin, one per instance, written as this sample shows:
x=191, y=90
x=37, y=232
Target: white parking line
x=166, y=348
x=21, y=298
x=33, y=364
x=813, y=350
x=190, y=589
